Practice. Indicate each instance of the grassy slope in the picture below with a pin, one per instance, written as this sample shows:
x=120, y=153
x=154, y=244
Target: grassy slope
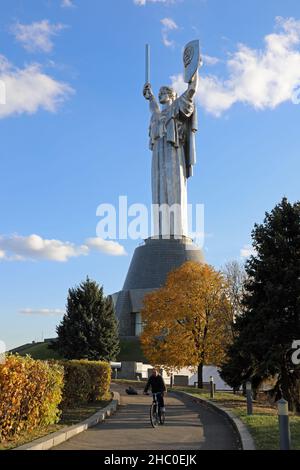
x=130, y=351
x=40, y=351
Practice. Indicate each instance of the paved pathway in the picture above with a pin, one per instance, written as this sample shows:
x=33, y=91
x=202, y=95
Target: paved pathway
x=188, y=426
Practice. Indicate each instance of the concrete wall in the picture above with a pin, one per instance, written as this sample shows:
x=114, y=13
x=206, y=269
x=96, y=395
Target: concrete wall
x=127, y=371
x=181, y=380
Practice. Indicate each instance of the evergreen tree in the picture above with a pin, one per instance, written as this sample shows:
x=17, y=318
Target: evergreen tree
x=89, y=329
x=271, y=319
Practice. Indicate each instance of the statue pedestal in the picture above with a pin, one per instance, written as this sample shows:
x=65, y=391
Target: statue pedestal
x=148, y=271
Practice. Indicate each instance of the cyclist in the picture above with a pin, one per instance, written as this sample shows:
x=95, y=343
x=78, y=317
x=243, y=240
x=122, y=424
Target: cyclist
x=157, y=384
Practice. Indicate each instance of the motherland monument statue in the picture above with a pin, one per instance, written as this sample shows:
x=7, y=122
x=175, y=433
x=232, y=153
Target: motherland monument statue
x=173, y=127
x=172, y=141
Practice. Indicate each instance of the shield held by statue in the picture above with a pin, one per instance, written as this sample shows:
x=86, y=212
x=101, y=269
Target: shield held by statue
x=191, y=59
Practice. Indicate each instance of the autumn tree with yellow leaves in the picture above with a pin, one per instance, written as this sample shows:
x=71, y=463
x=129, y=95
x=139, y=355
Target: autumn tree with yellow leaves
x=188, y=321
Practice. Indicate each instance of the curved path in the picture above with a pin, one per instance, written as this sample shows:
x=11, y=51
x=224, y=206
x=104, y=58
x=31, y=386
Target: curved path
x=188, y=426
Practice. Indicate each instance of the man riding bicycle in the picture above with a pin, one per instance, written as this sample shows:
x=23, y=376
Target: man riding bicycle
x=157, y=384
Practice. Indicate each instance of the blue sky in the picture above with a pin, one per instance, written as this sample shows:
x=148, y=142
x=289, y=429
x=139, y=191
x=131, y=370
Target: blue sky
x=73, y=134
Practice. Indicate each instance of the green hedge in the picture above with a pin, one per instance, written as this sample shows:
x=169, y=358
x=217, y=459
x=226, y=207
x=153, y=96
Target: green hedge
x=85, y=381
x=30, y=393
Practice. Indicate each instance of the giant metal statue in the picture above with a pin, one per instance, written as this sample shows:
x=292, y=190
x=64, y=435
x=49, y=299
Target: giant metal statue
x=172, y=141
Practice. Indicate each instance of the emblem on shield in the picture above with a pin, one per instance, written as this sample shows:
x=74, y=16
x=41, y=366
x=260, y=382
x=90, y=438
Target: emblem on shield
x=191, y=59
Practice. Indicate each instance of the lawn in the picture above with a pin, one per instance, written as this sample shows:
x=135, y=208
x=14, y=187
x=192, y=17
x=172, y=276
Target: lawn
x=75, y=415
x=263, y=424
x=130, y=351
x=40, y=351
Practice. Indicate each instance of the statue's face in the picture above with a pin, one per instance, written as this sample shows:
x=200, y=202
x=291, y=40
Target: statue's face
x=164, y=96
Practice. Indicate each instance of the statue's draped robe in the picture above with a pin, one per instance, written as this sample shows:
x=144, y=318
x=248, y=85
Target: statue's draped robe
x=172, y=141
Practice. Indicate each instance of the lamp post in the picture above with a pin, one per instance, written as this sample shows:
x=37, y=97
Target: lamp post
x=172, y=380
x=212, y=387
x=284, y=426
x=249, y=398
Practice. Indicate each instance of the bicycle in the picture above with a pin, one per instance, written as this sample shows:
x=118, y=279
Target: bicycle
x=157, y=416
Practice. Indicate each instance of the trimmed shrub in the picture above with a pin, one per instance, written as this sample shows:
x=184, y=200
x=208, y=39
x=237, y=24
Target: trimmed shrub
x=30, y=392
x=100, y=376
x=76, y=383
x=85, y=381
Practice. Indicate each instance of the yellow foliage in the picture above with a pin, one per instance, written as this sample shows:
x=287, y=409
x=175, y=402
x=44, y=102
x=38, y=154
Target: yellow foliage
x=188, y=321
x=30, y=392
x=85, y=381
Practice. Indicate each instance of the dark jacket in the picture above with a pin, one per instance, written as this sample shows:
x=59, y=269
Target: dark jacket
x=157, y=384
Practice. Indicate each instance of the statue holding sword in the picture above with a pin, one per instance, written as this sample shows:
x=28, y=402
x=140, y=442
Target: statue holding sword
x=172, y=140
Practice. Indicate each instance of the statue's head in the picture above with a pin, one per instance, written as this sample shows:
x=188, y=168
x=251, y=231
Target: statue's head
x=167, y=95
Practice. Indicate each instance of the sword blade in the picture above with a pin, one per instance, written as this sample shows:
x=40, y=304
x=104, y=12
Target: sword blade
x=147, y=63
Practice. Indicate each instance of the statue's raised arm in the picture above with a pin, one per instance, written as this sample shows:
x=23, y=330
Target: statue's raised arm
x=192, y=62
x=149, y=96
x=193, y=85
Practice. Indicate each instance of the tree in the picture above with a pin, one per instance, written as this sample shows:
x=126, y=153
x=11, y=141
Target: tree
x=235, y=275
x=187, y=322
x=271, y=318
x=89, y=329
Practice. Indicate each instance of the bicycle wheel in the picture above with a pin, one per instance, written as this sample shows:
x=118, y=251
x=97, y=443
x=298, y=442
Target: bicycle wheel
x=153, y=416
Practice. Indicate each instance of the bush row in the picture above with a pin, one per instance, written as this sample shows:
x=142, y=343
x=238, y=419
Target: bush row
x=33, y=393
x=30, y=393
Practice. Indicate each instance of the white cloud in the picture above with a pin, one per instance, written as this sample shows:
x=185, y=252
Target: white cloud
x=144, y=2
x=168, y=25
x=247, y=251
x=43, y=312
x=263, y=79
x=36, y=37
x=29, y=89
x=211, y=95
x=2, y=93
x=67, y=4
x=35, y=248
x=209, y=60
x=106, y=246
